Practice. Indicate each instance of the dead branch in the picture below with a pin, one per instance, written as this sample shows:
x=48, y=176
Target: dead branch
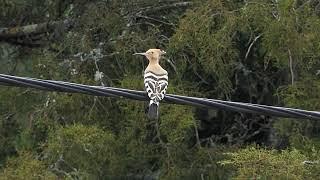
x=249, y=49
x=291, y=67
x=156, y=20
x=150, y=10
x=197, y=136
x=33, y=29
x=171, y=64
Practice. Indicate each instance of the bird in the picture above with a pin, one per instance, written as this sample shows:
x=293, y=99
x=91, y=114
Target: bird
x=155, y=81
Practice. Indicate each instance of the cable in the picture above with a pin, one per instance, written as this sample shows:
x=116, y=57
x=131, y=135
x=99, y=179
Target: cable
x=61, y=86
x=255, y=108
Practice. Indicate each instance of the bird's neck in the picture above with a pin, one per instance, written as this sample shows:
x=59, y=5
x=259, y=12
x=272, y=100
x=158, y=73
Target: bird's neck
x=153, y=62
x=155, y=67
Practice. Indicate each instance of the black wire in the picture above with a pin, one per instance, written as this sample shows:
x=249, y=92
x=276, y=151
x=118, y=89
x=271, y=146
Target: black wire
x=269, y=110
x=247, y=108
x=293, y=112
x=61, y=86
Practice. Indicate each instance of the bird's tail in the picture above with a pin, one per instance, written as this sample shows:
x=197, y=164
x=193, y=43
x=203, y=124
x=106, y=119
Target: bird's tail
x=153, y=110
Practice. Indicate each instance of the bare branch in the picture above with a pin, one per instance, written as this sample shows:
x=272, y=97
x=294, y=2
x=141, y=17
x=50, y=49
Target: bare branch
x=171, y=64
x=291, y=67
x=249, y=49
x=157, y=20
x=197, y=135
x=153, y=9
x=15, y=32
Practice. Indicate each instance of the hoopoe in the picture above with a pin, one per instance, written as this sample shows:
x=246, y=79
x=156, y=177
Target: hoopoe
x=155, y=80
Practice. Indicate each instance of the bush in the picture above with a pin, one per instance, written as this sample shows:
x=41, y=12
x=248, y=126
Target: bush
x=257, y=163
x=25, y=166
x=93, y=148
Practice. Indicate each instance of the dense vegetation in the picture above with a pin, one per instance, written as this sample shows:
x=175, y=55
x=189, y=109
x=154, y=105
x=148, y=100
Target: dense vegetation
x=257, y=51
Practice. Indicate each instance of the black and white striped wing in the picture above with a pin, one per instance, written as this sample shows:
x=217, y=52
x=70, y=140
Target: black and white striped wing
x=156, y=86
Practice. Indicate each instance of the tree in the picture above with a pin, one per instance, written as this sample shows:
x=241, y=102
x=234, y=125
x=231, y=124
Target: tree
x=264, y=52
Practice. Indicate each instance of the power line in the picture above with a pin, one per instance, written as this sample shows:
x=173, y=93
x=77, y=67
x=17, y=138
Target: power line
x=61, y=86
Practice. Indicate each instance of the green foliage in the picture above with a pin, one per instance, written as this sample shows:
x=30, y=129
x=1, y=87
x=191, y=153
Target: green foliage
x=303, y=135
x=94, y=148
x=14, y=103
x=234, y=50
x=104, y=15
x=8, y=129
x=253, y=162
x=302, y=95
x=9, y=8
x=205, y=34
x=176, y=123
x=26, y=166
x=280, y=39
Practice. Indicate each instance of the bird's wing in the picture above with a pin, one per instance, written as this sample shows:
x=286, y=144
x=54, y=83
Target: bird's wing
x=155, y=85
x=162, y=89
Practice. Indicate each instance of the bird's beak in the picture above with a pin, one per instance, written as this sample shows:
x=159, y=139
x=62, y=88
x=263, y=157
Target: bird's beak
x=140, y=54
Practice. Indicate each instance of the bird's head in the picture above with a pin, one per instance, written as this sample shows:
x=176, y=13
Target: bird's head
x=152, y=54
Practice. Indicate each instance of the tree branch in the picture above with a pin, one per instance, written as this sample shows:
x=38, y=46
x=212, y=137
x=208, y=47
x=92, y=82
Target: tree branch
x=33, y=29
x=153, y=9
x=291, y=67
x=249, y=49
